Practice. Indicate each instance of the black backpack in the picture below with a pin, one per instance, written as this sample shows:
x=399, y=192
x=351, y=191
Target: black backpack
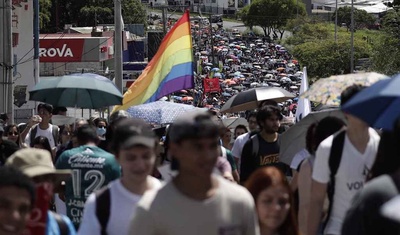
x=335, y=157
x=62, y=225
x=103, y=205
x=54, y=133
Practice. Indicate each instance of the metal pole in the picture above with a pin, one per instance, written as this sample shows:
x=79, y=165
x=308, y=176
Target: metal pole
x=118, y=44
x=2, y=68
x=164, y=17
x=336, y=20
x=36, y=73
x=352, y=38
x=8, y=58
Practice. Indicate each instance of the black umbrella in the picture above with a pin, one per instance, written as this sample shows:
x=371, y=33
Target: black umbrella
x=250, y=99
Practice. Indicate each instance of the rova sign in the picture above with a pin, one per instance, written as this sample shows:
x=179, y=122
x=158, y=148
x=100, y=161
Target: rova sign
x=53, y=52
x=61, y=50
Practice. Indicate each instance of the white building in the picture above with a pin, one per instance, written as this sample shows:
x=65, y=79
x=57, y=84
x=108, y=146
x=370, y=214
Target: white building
x=22, y=28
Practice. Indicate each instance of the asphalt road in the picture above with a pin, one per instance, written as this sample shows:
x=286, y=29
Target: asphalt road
x=227, y=24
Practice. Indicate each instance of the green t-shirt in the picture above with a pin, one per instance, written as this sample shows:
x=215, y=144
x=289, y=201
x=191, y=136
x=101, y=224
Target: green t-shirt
x=92, y=168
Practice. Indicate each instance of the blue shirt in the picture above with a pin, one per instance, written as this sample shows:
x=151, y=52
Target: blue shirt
x=54, y=229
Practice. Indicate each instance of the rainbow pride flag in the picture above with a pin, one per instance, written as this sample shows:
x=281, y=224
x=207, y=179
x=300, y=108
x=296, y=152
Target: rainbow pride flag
x=170, y=70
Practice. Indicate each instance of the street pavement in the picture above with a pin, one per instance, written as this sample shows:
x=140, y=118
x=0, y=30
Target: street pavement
x=227, y=24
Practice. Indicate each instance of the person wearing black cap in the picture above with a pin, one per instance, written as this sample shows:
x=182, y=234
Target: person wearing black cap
x=195, y=201
x=134, y=146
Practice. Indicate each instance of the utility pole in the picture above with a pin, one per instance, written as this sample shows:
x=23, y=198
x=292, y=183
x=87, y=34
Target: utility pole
x=336, y=20
x=118, y=45
x=6, y=59
x=212, y=41
x=36, y=73
x=352, y=38
x=164, y=18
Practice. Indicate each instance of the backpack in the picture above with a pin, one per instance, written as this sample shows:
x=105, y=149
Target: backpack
x=54, y=132
x=62, y=225
x=103, y=205
x=335, y=157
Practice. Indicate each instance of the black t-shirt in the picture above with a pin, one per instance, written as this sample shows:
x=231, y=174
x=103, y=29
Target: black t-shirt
x=7, y=148
x=267, y=155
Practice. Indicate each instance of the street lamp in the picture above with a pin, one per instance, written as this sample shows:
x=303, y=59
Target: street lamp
x=352, y=38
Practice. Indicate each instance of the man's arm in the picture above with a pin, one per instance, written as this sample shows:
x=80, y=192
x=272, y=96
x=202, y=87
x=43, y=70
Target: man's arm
x=236, y=151
x=318, y=194
x=304, y=186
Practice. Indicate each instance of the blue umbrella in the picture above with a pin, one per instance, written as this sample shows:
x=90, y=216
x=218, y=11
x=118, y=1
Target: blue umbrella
x=83, y=90
x=218, y=75
x=226, y=94
x=159, y=112
x=378, y=105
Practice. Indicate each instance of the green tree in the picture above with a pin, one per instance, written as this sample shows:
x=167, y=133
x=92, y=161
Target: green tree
x=326, y=58
x=88, y=13
x=243, y=14
x=45, y=15
x=386, y=53
x=305, y=31
x=361, y=18
x=272, y=15
x=133, y=12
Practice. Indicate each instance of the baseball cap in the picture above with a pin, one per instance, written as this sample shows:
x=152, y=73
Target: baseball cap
x=131, y=132
x=36, y=162
x=193, y=125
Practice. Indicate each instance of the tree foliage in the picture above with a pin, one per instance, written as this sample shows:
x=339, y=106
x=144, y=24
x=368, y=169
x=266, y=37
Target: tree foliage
x=44, y=13
x=88, y=13
x=361, y=18
x=271, y=15
x=386, y=54
x=304, y=30
x=326, y=58
x=133, y=12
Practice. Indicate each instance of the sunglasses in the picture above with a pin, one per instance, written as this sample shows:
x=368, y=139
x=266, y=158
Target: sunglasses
x=13, y=132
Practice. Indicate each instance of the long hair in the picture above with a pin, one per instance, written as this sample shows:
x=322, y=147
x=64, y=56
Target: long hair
x=9, y=128
x=44, y=142
x=269, y=176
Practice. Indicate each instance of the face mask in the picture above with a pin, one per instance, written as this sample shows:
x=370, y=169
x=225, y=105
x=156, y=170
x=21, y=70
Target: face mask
x=101, y=131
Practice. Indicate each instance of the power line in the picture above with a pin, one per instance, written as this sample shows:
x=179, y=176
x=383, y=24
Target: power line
x=32, y=57
x=82, y=55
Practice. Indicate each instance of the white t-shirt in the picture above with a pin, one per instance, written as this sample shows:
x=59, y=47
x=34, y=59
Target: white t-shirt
x=169, y=212
x=238, y=146
x=298, y=158
x=123, y=207
x=48, y=133
x=350, y=176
